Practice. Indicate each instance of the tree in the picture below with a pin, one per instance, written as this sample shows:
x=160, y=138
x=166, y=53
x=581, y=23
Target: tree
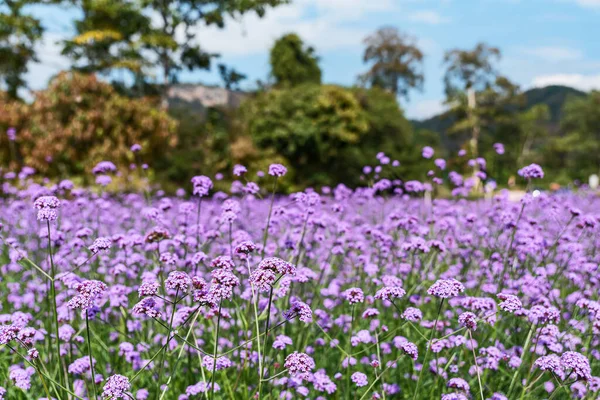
x=230, y=77
x=78, y=121
x=471, y=75
x=293, y=63
x=397, y=62
x=108, y=37
x=576, y=153
x=173, y=42
x=19, y=34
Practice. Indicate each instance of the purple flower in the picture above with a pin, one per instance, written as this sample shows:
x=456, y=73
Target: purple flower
x=100, y=244
x=300, y=309
x=116, y=387
x=468, y=320
x=510, y=303
x=446, y=288
x=578, y=363
x=354, y=295
x=209, y=363
x=390, y=293
x=359, y=379
x=136, y=148
x=178, y=280
x=277, y=170
x=499, y=147
x=427, y=152
x=104, y=167
x=239, y=170
x=202, y=185
x=297, y=363
x=458, y=383
x=11, y=133
x=412, y=314
x=532, y=171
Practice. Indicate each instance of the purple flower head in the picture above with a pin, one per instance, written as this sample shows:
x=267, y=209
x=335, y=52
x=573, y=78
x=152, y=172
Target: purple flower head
x=148, y=289
x=532, y=171
x=297, y=363
x=178, y=280
x=8, y=333
x=11, y=133
x=222, y=262
x=468, y=320
x=359, y=379
x=116, y=387
x=458, y=383
x=202, y=185
x=499, y=147
x=246, y=247
x=100, y=244
x=446, y=288
x=440, y=163
x=277, y=170
x=354, y=295
x=47, y=206
x=412, y=314
x=300, y=309
x=239, y=170
x=104, y=167
x=578, y=363
x=390, y=293
x=410, y=349
x=510, y=303
x=147, y=306
x=209, y=363
x=136, y=148
x=427, y=152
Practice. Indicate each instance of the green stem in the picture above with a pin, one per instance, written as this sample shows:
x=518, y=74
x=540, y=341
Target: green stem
x=214, y=368
x=89, y=346
x=428, y=344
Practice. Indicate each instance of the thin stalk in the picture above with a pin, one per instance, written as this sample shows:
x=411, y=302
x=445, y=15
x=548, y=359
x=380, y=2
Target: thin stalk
x=476, y=366
x=428, y=344
x=89, y=346
x=266, y=234
x=214, y=368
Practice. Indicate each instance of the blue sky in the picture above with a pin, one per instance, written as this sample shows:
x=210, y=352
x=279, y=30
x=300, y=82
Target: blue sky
x=542, y=41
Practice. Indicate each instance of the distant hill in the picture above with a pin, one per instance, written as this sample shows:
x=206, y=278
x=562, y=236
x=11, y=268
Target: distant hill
x=553, y=96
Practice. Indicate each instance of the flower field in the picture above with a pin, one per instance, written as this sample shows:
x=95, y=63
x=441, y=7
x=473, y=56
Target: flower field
x=371, y=293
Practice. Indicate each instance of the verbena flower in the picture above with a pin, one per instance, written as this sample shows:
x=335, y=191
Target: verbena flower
x=359, y=379
x=116, y=387
x=297, y=363
x=446, y=288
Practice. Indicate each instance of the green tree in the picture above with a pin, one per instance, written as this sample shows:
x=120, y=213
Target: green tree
x=293, y=63
x=78, y=121
x=230, y=77
x=471, y=76
x=108, y=37
x=19, y=34
x=576, y=153
x=396, y=62
x=173, y=42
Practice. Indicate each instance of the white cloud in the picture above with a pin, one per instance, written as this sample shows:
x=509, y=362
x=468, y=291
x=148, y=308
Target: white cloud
x=578, y=81
x=328, y=23
x=428, y=17
x=589, y=3
x=50, y=61
x=424, y=109
x=555, y=53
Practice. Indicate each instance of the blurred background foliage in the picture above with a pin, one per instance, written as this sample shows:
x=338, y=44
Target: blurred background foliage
x=324, y=133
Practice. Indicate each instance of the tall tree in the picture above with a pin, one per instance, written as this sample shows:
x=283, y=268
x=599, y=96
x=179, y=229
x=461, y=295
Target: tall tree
x=230, y=77
x=293, y=63
x=19, y=34
x=108, y=37
x=396, y=62
x=469, y=73
x=173, y=38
